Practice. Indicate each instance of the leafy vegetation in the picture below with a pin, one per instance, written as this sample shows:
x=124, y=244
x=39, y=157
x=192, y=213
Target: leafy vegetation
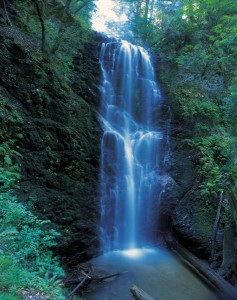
x=27, y=264
x=53, y=21
x=196, y=42
x=26, y=261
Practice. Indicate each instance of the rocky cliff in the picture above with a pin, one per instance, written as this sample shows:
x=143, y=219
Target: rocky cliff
x=58, y=135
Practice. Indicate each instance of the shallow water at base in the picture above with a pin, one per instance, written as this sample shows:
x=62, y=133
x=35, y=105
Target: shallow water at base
x=156, y=271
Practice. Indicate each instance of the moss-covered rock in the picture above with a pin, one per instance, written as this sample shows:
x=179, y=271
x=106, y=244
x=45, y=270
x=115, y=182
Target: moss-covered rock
x=191, y=216
x=59, y=143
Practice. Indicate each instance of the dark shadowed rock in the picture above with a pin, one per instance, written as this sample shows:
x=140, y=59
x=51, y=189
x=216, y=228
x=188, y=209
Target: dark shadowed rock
x=60, y=142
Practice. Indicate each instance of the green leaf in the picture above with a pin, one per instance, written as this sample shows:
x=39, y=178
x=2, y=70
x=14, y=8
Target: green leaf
x=8, y=160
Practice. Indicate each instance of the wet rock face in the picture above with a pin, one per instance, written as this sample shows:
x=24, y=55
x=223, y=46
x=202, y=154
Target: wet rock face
x=60, y=143
x=193, y=224
x=170, y=196
x=191, y=219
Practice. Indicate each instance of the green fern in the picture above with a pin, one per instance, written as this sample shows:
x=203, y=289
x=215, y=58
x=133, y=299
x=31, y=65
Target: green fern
x=26, y=261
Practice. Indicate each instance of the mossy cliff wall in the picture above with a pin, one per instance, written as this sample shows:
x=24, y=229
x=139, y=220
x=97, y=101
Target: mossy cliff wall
x=191, y=218
x=191, y=215
x=59, y=139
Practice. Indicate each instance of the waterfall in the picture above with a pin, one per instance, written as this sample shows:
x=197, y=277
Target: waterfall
x=131, y=148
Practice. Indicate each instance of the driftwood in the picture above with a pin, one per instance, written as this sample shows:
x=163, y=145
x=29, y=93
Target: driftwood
x=86, y=275
x=93, y=277
x=80, y=284
x=108, y=276
x=203, y=270
x=139, y=294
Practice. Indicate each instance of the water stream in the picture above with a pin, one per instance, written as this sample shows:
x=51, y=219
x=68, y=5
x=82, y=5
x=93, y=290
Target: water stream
x=131, y=156
x=156, y=271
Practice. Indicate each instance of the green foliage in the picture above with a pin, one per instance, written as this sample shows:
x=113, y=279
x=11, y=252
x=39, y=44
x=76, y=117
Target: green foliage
x=14, y=278
x=212, y=154
x=64, y=22
x=196, y=109
x=66, y=29
x=10, y=119
x=197, y=44
x=25, y=261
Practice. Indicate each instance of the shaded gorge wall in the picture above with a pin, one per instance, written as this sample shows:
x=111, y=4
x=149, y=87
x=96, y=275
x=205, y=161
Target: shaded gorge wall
x=59, y=140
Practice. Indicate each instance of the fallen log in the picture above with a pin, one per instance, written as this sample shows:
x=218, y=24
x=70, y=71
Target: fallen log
x=80, y=284
x=139, y=294
x=108, y=276
x=72, y=281
x=209, y=275
x=88, y=276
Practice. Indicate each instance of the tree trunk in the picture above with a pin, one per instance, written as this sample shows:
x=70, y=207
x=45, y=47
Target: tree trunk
x=43, y=38
x=228, y=246
x=61, y=27
x=202, y=269
x=80, y=284
x=146, y=18
x=152, y=8
x=139, y=294
x=147, y=11
x=233, y=203
x=215, y=228
x=138, y=9
x=6, y=13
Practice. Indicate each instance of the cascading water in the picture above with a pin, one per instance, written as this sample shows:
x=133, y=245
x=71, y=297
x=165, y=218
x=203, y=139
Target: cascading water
x=135, y=155
x=130, y=149
x=135, y=159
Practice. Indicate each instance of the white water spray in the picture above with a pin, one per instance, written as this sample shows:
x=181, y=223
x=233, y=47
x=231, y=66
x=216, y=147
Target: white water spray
x=130, y=148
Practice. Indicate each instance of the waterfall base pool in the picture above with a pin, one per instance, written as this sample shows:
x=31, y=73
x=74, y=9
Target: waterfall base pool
x=156, y=271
